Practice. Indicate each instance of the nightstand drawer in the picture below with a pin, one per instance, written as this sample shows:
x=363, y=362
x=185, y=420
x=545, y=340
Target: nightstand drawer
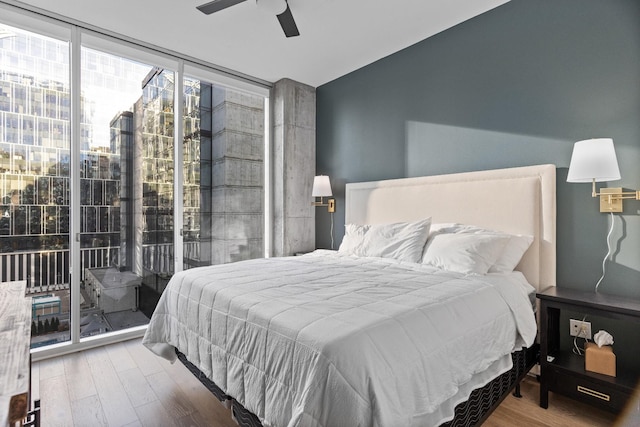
x=592, y=392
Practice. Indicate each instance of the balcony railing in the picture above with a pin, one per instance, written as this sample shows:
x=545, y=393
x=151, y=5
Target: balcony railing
x=47, y=271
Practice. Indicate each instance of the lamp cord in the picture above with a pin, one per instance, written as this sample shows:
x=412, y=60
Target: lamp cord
x=613, y=218
x=576, y=348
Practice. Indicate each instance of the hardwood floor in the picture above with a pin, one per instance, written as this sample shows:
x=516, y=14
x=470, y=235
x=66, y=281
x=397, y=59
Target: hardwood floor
x=124, y=384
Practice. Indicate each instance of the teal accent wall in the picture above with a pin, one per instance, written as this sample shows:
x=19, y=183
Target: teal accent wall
x=515, y=86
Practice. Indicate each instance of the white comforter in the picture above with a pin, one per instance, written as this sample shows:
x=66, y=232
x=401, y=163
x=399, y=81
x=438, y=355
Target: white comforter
x=332, y=340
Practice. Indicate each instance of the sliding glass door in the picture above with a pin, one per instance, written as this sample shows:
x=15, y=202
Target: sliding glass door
x=126, y=182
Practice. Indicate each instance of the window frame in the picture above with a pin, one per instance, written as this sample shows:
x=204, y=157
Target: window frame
x=79, y=35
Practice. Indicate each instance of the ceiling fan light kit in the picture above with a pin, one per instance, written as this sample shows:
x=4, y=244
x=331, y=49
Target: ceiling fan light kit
x=278, y=7
x=275, y=7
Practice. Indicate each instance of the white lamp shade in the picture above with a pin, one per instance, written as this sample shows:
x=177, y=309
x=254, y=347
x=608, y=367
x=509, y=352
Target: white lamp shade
x=593, y=159
x=321, y=186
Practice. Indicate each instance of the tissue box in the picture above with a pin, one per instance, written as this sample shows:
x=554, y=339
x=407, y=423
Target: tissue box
x=600, y=359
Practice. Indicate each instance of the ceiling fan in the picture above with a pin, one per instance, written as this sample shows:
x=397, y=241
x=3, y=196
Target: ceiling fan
x=279, y=7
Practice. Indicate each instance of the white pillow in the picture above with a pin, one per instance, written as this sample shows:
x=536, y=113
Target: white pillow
x=353, y=238
x=510, y=257
x=466, y=253
x=512, y=254
x=403, y=241
x=444, y=227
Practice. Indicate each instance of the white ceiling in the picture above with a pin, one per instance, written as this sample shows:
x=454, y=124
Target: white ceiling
x=336, y=36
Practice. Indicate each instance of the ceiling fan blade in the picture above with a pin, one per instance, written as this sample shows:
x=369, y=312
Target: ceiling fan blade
x=287, y=23
x=217, y=5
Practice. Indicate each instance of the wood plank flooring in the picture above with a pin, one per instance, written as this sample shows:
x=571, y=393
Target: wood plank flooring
x=124, y=384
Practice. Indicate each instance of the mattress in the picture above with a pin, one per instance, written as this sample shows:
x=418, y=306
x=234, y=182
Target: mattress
x=329, y=340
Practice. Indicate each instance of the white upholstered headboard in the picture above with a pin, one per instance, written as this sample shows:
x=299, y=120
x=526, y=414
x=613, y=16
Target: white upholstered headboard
x=515, y=200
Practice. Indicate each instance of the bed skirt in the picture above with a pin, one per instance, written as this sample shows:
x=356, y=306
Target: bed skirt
x=474, y=411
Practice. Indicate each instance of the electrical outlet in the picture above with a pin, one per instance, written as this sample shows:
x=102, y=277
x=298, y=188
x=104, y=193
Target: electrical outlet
x=580, y=329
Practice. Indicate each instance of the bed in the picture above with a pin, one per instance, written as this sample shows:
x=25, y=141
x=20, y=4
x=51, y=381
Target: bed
x=358, y=337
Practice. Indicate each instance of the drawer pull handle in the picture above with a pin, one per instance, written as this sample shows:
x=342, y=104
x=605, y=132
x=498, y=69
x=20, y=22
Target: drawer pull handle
x=594, y=393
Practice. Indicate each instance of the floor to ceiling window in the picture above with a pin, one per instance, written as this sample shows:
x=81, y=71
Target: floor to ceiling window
x=223, y=177
x=34, y=175
x=146, y=207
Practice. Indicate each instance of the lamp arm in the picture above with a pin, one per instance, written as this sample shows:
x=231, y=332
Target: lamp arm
x=617, y=195
x=629, y=195
x=621, y=195
x=331, y=204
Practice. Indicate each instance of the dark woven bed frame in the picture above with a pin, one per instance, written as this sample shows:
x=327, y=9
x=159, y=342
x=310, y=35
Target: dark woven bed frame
x=474, y=411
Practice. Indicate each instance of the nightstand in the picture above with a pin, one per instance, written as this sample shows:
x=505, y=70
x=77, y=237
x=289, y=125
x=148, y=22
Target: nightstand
x=563, y=372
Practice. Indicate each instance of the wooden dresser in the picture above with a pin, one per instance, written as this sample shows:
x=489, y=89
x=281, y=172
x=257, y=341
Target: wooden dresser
x=15, y=340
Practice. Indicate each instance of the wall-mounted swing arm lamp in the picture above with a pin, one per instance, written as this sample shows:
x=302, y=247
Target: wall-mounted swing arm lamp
x=594, y=160
x=322, y=189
